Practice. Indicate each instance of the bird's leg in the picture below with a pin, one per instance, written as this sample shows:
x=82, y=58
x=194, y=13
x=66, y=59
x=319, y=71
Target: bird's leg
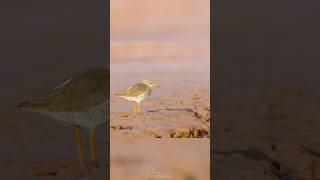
x=134, y=109
x=78, y=144
x=138, y=107
x=92, y=146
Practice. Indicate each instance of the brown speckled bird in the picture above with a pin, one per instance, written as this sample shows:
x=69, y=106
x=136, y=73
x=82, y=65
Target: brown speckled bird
x=138, y=93
x=80, y=101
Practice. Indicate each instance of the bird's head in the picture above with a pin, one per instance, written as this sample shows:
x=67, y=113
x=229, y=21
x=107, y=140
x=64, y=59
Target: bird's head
x=150, y=83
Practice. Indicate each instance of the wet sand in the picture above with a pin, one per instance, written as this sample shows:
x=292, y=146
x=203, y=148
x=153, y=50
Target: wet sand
x=170, y=138
x=180, y=108
x=34, y=146
x=273, y=135
x=147, y=158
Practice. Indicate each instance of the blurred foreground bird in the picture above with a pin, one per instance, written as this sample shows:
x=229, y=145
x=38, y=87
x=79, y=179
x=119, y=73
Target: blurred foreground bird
x=80, y=101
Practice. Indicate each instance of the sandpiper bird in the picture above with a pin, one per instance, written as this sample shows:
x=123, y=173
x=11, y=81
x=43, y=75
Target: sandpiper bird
x=80, y=101
x=138, y=93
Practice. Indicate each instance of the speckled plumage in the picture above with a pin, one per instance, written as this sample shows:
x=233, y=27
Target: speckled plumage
x=81, y=100
x=137, y=92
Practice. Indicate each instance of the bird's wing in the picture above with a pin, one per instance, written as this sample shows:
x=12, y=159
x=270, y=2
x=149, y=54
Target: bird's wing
x=134, y=90
x=62, y=85
x=81, y=92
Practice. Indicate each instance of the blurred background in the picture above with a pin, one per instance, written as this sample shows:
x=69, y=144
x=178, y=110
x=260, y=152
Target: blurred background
x=166, y=41
x=266, y=89
x=165, y=20
x=42, y=44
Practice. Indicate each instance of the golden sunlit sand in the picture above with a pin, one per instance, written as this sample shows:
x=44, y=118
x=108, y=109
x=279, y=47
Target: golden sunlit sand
x=179, y=109
x=169, y=138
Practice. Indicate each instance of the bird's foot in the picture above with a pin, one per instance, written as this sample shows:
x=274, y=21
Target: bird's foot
x=88, y=168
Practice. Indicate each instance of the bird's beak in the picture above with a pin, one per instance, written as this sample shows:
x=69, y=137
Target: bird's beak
x=157, y=86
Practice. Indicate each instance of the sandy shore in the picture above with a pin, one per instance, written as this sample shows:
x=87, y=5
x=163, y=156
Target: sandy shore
x=41, y=48
x=160, y=159
x=48, y=152
x=146, y=147
x=274, y=135
x=180, y=108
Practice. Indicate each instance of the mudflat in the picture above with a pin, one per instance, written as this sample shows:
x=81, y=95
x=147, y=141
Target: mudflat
x=181, y=108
